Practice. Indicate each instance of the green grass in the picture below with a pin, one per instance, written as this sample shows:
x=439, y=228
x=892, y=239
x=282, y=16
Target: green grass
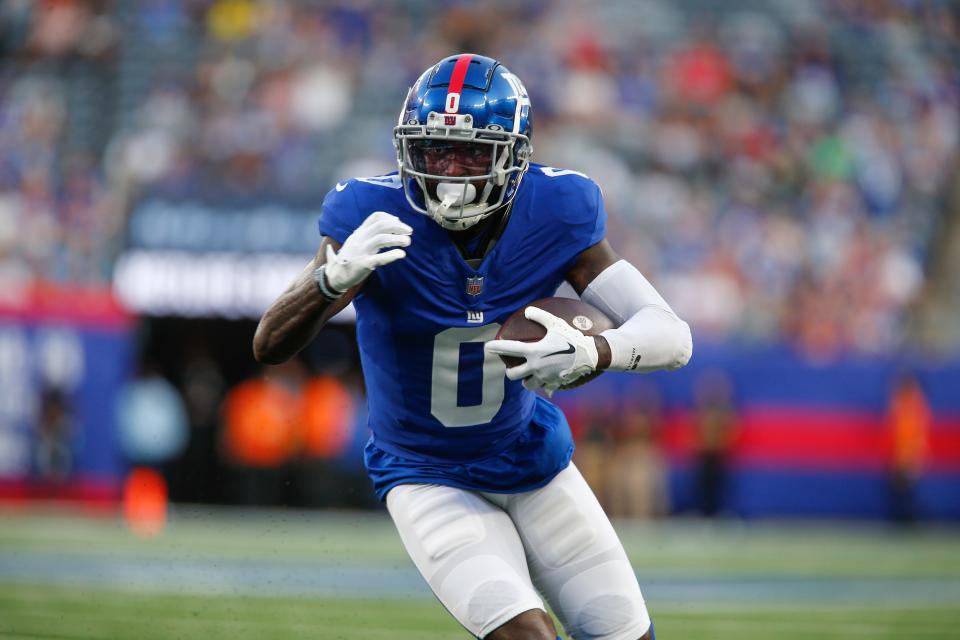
x=214, y=532
x=804, y=623
x=51, y=612
x=691, y=571
x=45, y=612
x=793, y=548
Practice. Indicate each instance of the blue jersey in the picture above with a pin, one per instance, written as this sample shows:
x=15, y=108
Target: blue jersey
x=441, y=411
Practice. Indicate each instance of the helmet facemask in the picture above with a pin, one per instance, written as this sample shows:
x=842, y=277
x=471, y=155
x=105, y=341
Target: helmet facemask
x=464, y=174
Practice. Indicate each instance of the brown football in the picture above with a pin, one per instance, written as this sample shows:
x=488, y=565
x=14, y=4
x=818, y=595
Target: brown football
x=580, y=315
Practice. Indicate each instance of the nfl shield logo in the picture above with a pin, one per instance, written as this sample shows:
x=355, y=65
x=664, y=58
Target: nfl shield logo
x=474, y=285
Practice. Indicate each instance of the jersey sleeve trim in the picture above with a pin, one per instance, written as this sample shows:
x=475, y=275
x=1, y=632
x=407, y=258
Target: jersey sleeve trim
x=336, y=223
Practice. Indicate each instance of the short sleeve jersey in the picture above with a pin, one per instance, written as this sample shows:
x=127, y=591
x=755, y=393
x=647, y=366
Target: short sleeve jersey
x=440, y=411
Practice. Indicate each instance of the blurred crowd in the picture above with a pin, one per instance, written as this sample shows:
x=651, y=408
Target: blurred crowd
x=778, y=170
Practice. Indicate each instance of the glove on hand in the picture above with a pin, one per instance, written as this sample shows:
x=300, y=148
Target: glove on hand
x=360, y=253
x=559, y=358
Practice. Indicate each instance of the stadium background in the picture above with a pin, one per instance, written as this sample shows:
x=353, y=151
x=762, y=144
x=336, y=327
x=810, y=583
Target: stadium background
x=785, y=172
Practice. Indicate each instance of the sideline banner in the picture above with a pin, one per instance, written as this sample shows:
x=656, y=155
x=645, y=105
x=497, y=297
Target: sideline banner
x=65, y=353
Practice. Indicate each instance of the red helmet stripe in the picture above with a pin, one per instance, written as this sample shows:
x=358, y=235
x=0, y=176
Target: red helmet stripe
x=458, y=75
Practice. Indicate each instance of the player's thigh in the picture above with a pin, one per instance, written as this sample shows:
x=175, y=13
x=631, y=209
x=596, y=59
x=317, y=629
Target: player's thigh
x=577, y=561
x=469, y=552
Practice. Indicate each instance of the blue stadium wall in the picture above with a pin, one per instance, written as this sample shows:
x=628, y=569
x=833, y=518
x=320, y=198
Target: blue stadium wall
x=812, y=436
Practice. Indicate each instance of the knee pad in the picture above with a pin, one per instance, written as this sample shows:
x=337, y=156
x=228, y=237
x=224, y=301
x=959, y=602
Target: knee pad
x=485, y=591
x=604, y=602
x=605, y=616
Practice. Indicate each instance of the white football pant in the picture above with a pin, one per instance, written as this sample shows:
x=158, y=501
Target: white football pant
x=486, y=555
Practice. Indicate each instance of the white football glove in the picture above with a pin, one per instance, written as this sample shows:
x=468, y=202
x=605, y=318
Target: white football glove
x=360, y=253
x=559, y=358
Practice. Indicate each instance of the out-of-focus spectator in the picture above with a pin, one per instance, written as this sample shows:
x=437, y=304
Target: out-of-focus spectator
x=231, y=20
x=53, y=458
x=152, y=420
x=636, y=471
x=63, y=218
x=593, y=422
x=197, y=476
x=262, y=432
x=328, y=417
x=285, y=424
x=778, y=170
x=716, y=422
x=263, y=418
x=908, y=422
x=328, y=473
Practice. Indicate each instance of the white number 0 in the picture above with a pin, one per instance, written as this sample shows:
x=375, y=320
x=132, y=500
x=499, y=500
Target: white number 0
x=446, y=372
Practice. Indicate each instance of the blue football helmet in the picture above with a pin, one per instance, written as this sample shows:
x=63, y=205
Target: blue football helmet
x=463, y=140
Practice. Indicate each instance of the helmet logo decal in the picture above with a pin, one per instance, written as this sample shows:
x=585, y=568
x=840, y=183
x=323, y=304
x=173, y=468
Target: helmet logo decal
x=456, y=83
x=522, y=98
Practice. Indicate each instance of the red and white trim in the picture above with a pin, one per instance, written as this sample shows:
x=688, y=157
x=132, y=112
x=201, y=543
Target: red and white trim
x=452, y=103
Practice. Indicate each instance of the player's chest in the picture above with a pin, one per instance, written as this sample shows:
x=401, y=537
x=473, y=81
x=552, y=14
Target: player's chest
x=435, y=286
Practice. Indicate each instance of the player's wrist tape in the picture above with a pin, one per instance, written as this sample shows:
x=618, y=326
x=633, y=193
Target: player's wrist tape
x=320, y=278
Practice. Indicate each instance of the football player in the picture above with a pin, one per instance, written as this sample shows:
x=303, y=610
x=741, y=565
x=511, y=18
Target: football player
x=474, y=467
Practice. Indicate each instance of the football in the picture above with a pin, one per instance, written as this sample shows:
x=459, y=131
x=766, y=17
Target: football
x=580, y=315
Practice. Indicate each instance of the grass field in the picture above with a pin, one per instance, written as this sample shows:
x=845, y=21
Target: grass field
x=228, y=574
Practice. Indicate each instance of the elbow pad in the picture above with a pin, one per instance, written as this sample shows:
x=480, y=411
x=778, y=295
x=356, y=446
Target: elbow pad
x=649, y=335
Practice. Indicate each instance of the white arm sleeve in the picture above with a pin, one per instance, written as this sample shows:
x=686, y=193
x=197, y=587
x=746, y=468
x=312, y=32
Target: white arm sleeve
x=649, y=335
